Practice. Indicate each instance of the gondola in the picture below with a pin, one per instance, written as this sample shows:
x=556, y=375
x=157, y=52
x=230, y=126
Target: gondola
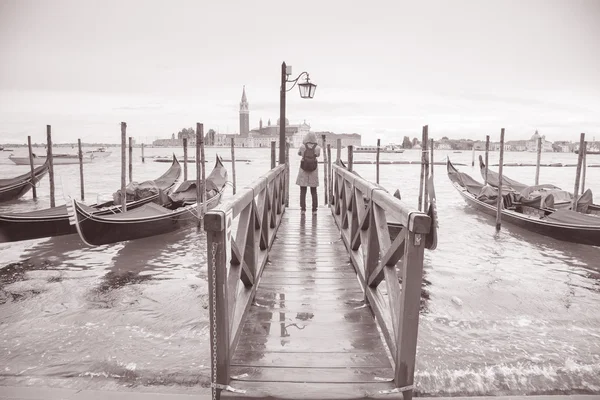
x=530, y=214
x=55, y=221
x=584, y=202
x=13, y=188
x=179, y=209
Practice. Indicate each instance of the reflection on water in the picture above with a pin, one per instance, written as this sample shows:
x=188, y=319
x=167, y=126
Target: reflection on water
x=515, y=313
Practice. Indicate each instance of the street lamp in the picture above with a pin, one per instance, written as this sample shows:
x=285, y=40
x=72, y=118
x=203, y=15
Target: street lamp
x=307, y=91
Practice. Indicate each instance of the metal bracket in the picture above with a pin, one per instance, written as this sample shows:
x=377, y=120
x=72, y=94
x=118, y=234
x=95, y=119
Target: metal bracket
x=380, y=379
x=238, y=377
x=396, y=390
x=227, y=388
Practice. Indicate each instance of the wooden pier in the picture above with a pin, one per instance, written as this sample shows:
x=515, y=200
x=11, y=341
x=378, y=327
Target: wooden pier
x=310, y=306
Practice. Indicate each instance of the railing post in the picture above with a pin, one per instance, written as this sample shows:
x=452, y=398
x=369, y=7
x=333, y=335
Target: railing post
x=325, y=178
x=329, y=174
x=410, y=301
x=287, y=174
x=215, y=225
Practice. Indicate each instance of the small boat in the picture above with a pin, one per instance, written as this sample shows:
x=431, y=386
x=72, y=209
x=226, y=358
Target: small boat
x=100, y=152
x=390, y=148
x=525, y=211
x=561, y=198
x=13, y=188
x=178, y=210
x=57, y=159
x=55, y=221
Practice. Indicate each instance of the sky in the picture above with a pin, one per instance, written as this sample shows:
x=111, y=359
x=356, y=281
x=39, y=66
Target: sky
x=382, y=68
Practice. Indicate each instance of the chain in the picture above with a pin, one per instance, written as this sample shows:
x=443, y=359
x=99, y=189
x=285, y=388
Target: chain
x=214, y=320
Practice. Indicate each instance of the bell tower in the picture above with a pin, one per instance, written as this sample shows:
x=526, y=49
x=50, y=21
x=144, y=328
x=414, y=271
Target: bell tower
x=244, y=115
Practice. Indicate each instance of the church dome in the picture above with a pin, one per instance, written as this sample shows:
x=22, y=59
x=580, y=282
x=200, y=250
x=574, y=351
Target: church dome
x=287, y=122
x=535, y=136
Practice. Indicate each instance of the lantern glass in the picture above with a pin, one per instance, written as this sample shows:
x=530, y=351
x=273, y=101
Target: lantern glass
x=307, y=89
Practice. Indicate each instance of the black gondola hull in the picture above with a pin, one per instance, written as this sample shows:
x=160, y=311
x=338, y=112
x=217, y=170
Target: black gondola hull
x=55, y=221
x=19, y=189
x=99, y=231
x=573, y=234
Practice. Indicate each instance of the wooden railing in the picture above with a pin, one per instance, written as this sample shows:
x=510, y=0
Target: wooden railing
x=381, y=233
x=242, y=258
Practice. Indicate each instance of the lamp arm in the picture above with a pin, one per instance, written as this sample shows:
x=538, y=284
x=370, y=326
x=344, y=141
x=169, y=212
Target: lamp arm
x=296, y=80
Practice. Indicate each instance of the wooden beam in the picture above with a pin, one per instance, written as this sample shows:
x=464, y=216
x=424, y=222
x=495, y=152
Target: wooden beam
x=50, y=164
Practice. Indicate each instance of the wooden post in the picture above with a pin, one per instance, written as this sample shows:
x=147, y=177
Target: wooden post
x=423, y=147
x=33, y=187
x=200, y=174
x=350, y=157
x=123, y=167
x=500, y=198
x=81, y=170
x=426, y=169
x=338, y=144
x=233, y=163
x=50, y=164
x=185, y=160
x=410, y=303
x=578, y=173
x=584, y=167
x=287, y=174
x=487, y=150
x=216, y=237
x=377, y=162
x=143, y=159
x=330, y=178
x=431, y=156
x=537, y=163
x=130, y=159
x=473, y=156
x=325, y=177
x=273, y=154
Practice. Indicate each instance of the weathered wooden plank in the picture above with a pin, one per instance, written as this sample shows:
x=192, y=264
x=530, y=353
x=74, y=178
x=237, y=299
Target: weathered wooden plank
x=311, y=359
x=312, y=391
x=324, y=330
x=291, y=343
x=313, y=375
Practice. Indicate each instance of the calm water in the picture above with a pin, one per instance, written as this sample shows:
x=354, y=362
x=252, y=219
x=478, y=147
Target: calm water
x=514, y=313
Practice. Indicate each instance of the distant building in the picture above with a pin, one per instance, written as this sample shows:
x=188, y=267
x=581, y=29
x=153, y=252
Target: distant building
x=244, y=115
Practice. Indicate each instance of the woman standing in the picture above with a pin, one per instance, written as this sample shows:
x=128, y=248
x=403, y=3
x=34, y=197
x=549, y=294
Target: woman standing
x=308, y=175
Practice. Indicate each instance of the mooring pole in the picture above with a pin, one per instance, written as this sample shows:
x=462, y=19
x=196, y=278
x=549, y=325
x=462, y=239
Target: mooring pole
x=423, y=147
x=233, y=163
x=130, y=159
x=273, y=154
x=584, y=167
x=123, y=166
x=200, y=172
x=81, y=169
x=377, y=162
x=473, y=156
x=537, y=163
x=500, y=198
x=578, y=173
x=426, y=169
x=33, y=187
x=350, y=158
x=185, y=159
x=487, y=151
x=338, y=144
x=325, y=177
x=143, y=159
x=51, y=164
x=431, y=156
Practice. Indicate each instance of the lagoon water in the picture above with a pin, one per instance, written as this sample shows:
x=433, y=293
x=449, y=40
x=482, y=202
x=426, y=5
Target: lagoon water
x=514, y=313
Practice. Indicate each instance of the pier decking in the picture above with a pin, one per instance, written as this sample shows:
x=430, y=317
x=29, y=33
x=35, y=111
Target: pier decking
x=310, y=330
x=311, y=306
